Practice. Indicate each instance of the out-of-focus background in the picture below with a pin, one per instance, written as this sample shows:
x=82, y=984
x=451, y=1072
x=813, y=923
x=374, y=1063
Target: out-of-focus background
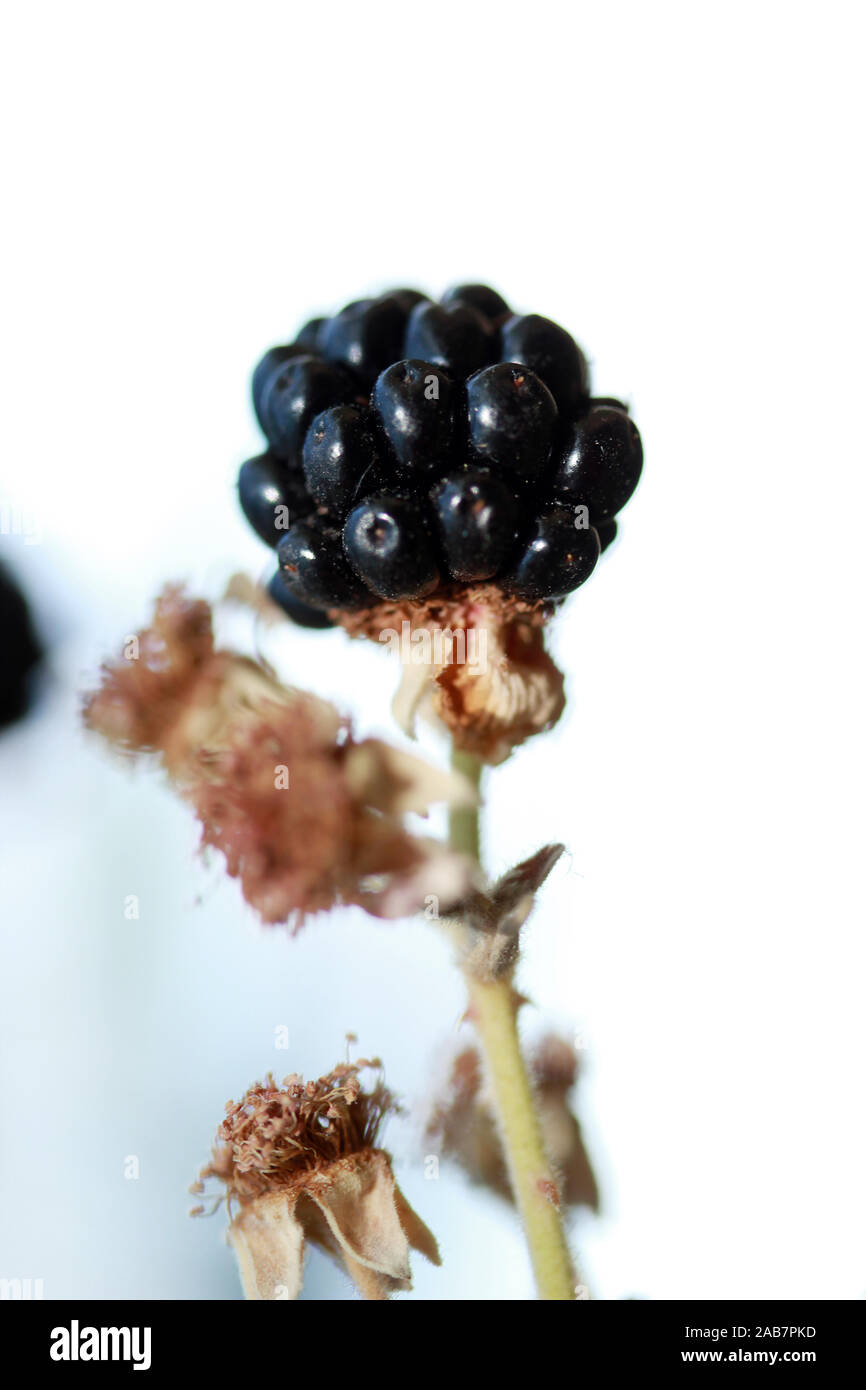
x=679, y=186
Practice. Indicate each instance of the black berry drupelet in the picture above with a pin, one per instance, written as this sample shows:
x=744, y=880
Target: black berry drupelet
x=268, y=366
x=366, y=336
x=558, y=557
x=415, y=403
x=339, y=449
x=272, y=495
x=601, y=462
x=314, y=567
x=551, y=353
x=456, y=338
x=294, y=395
x=511, y=418
x=480, y=297
x=388, y=545
x=418, y=448
x=302, y=614
x=478, y=519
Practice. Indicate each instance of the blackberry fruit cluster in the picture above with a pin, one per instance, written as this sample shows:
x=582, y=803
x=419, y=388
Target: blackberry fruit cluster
x=415, y=446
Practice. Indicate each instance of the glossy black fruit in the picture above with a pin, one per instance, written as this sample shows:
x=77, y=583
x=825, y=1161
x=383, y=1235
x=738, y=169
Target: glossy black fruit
x=310, y=336
x=480, y=297
x=606, y=533
x=273, y=496
x=294, y=395
x=551, y=353
x=300, y=613
x=511, y=416
x=339, y=449
x=457, y=338
x=314, y=567
x=267, y=366
x=414, y=402
x=387, y=543
x=366, y=336
x=557, y=558
x=601, y=462
x=477, y=518
x=408, y=298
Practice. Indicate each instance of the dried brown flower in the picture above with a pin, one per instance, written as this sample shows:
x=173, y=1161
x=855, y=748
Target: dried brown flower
x=306, y=816
x=300, y=1162
x=489, y=706
x=463, y=1123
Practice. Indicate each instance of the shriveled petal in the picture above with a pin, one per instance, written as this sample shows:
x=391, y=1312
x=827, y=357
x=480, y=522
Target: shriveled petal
x=413, y=693
x=397, y=782
x=268, y=1241
x=518, y=692
x=370, y=1221
x=419, y=1235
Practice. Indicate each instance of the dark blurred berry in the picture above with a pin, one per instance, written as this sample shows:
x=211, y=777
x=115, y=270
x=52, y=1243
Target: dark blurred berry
x=20, y=651
x=300, y=613
x=481, y=297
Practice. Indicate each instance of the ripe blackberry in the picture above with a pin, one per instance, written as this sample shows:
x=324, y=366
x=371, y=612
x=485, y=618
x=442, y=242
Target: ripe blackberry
x=339, y=448
x=294, y=394
x=389, y=549
x=456, y=338
x=511, y=416
x=314, y=567
x=414, y=402
x=421, y=445
x=551, y=353
x=557, y=558
x=302, y=614
x=601, y=462
x=366, y=336
x=480, y=297
x=272, y=495
x=477, y=516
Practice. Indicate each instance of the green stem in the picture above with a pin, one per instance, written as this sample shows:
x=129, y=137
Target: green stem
x=494, y=1015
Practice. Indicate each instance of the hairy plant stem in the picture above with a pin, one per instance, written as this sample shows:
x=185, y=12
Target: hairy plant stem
x=494, y=1014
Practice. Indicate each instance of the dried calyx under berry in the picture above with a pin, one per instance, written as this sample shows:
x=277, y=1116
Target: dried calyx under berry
x=415, y=447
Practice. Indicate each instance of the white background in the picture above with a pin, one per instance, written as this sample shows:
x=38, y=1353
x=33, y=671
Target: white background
x=679, y=185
